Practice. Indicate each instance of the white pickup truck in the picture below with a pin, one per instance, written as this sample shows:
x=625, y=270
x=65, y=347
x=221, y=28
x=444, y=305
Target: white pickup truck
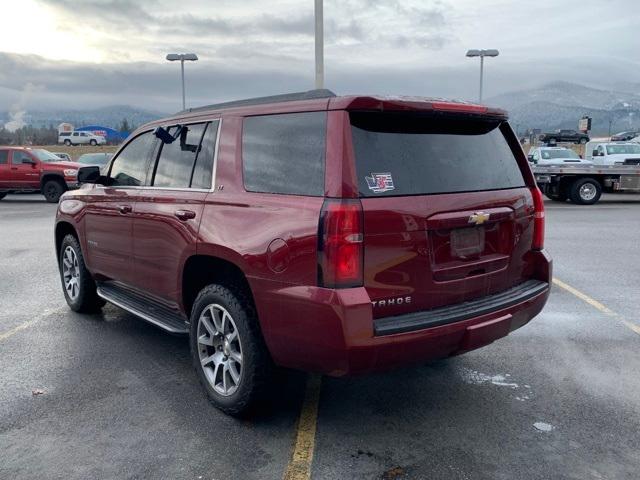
x=613, y=153
x=81, y=138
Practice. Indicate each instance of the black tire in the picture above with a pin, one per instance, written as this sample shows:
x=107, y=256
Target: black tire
x=2, y=195
x=256, y=367
x=560, y=196
x=67, y=142
x=93, y=143
x=552, y=141
x=556, y=198
x=87, y=299
x=53, y=190
x=585, y=191
x=582, y=141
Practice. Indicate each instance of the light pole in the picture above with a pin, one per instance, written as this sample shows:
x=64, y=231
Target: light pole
x=482, y=54
x=319, y=44
x=172, y=57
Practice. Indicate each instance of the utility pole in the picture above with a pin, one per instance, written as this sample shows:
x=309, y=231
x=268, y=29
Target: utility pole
x=319, y=44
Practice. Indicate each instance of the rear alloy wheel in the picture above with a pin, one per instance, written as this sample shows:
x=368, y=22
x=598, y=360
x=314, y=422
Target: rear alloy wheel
x=52, y=190
x=67, y=142
x=93, y=143
x=585, y=191
x=228, y=350
x=79, y=288
x=582, y=141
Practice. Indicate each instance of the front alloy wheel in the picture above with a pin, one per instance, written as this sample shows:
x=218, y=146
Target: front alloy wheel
x=71, y=273
x=219, y=349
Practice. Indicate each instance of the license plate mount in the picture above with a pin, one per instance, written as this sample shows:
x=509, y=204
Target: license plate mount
x=467, y=243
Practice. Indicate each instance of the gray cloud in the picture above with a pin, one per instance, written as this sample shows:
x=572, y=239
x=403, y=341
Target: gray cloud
x=372, y=46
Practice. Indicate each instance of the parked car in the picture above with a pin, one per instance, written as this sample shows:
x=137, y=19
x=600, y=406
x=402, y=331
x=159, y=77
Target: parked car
x=100, y=159
x=80, y=138
x=63, y=156
x=339, y=235
x=624, y=136
x=569, y=136
x=613, y=153
x=554, y=155
x=26, y=169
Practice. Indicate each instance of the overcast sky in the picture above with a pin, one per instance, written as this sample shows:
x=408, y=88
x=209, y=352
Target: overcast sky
x=63, y=54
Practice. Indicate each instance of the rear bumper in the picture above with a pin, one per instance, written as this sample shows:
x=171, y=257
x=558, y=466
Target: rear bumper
x=333, y=331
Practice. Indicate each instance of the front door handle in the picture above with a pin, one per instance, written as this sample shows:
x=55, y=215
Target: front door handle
x=185, y=215
x=124, y=209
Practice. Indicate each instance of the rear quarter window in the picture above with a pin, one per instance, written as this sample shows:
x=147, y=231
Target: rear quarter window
x=418, y=154
x=284, y=153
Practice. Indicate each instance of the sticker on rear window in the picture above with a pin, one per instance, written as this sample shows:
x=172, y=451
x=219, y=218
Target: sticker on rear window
x=380, y=182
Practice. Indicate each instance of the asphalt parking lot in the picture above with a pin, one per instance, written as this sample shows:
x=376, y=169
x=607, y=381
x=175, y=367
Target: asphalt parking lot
x=117, y=398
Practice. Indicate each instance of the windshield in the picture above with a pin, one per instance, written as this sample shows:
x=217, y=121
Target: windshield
x=94, y=158
x=413, y=154
x=622, y=149
x=46, y=156
x=564, y=153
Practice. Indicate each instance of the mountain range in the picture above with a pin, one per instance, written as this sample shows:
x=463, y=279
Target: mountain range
x=562, y=104
x=555, y=105
x=111, y=116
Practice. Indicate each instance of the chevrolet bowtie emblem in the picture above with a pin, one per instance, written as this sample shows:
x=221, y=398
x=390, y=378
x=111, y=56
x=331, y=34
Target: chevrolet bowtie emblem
x=479, y=218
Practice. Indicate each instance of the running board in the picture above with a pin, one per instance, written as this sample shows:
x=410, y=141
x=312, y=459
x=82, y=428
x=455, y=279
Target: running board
x=143, y=307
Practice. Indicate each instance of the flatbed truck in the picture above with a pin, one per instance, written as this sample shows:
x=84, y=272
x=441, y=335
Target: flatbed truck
x=584, y=184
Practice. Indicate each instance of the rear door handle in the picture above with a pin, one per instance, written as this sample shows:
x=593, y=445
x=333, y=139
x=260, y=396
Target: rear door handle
x=185, y=215
x=124, y=209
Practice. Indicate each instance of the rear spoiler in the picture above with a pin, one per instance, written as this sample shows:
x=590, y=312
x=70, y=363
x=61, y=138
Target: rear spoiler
x=415, y=104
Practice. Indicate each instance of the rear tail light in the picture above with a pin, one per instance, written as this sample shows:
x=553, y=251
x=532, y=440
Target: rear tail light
x=340, y=244
x=538, y=219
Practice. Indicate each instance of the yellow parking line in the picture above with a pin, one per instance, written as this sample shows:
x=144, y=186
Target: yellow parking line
x=29, y=323
x=596, y=304
x=583, y=297
x=632, y=326
x=13, y=331
x=299, y=467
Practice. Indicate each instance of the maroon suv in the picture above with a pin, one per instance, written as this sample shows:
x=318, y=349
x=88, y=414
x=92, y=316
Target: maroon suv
x=332, y=234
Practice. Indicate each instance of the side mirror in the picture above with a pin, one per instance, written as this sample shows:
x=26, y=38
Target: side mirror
x=165, y=136
x=89, y=174
x=29, y=161
x=595, y=153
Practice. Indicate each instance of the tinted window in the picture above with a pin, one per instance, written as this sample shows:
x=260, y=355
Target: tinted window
x=204, y=163
x=65, y=134
x=130, y=167
x=177, y=158
x=18, y=156
x=412, y=154
x=4, y=157
x=623, y=148
x=284, y=153
x=45, y=156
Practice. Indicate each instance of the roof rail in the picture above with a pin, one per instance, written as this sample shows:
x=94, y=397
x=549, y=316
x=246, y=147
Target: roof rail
x=287, y=97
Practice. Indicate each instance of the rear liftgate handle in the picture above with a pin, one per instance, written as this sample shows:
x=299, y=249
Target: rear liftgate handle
x=185, y=215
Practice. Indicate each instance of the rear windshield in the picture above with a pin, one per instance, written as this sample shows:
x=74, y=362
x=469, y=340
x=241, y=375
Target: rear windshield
x=418, y=154
x=564, y=153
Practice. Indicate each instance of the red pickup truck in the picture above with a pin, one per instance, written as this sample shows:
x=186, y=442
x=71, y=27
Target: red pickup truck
x=25, y=169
